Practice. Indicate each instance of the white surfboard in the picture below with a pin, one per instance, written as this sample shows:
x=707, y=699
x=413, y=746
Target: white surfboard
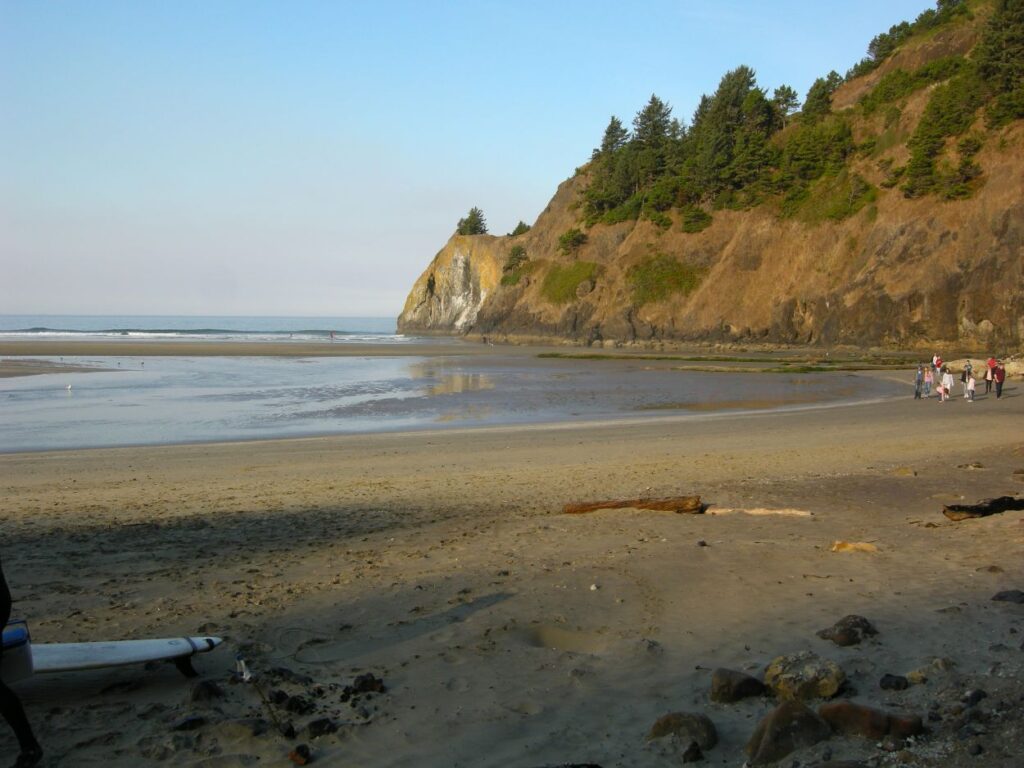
x=44, y=658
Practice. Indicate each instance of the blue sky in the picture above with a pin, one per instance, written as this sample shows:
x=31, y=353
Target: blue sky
x=310, y=158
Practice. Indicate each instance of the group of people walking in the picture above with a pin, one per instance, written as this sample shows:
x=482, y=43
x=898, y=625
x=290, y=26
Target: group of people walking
x=939, y=375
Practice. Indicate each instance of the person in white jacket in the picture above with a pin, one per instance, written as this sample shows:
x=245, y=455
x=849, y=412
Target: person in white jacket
x=947, y=384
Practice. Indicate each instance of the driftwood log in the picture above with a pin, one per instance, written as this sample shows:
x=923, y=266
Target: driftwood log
x=678, y=504
x=984, y=508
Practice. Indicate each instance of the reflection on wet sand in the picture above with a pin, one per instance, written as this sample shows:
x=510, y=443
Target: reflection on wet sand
x=445, y=382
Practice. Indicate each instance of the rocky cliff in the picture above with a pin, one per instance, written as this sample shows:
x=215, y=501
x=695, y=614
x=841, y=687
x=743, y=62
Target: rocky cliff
x=898, y=272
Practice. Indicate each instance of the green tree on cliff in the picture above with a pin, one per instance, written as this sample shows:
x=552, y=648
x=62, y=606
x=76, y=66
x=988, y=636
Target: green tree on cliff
x=1000, y=57
x=819, y=98
x=472, y=224
x=786, y=101
x=614, y=139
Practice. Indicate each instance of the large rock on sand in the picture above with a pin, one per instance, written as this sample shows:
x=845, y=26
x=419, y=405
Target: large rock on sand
x=849, y=630
x=851, y=719
x=804, y=676
x=688, y=726
x=788, y=727
x=728, y=685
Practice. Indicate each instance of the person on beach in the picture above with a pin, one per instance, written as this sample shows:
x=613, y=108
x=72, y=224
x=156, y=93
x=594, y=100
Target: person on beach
x=947, y=384
x=10, y=705
x=971, y=384
x=918, y=382
x=964, y=375
x=999, y=376
x=928, y=379
x=988, y=379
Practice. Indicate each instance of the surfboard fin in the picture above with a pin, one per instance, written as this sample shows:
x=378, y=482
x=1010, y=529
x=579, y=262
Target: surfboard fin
x=184, y=665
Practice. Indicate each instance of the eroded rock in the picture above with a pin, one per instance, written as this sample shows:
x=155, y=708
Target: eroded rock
x=1009, y=596
x=852, y=719
x=688, y=726
x=788, y=727
x=728, y=685
x=804, y=676
x=849, y=630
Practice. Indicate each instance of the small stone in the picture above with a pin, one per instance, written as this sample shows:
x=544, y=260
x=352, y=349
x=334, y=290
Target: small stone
x=299, y=705
x=943, y=664
x=975, y=749
x=321, y=727
x=917, y=677
x=971, y=698
x=301, y=755
x=1010, y=596
x=367, y=683
x=849, y=630
x=593, y=587
x=701, y=543
x=891, y=744
x=788, y=727
x=728, y=686
x=893, y=683
x=693, y=753
x=688, y=726
x=190, y=723
x=278, y=697
x=288, y=730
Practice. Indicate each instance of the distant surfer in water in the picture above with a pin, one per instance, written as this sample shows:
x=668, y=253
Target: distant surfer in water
x=10, y=705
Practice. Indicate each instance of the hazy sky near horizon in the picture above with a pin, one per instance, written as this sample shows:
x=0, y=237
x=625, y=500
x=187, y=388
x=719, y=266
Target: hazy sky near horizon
x=310, y=158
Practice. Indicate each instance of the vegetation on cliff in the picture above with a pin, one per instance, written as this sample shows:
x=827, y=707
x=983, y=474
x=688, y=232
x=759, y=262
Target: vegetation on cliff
x=743, y=147
x=473, y=223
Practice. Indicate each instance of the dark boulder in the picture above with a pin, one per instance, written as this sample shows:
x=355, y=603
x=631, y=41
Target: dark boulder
x=851, y=719
x=788, y=727
x=688, y=726
x=728, y=686
x=849, y=630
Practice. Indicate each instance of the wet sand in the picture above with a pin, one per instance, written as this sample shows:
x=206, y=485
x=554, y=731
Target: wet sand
x=11, y=368
x=506, y=632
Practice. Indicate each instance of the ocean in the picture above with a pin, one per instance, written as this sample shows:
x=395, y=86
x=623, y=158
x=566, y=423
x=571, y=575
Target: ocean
x=199, y=328
x=159, y=400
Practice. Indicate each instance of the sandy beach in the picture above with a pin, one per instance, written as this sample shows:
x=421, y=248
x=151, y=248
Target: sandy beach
x=505, y=632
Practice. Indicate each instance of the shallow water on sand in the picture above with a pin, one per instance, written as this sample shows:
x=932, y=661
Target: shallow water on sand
x=163, y=400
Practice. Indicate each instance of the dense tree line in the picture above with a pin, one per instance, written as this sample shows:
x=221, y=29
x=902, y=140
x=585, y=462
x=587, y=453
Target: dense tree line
x=725, y=157
x=743, y=146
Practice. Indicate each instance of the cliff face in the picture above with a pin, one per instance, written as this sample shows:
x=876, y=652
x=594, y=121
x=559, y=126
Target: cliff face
x=899, y=272
x=448, y=296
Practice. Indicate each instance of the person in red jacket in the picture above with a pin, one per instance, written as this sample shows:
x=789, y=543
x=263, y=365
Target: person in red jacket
x=999, y=374
x=10, y=705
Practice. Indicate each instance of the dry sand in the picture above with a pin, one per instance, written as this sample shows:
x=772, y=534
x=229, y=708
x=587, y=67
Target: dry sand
x=508, y=633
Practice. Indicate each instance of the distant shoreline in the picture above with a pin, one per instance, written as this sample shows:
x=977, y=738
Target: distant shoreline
x=72, y=348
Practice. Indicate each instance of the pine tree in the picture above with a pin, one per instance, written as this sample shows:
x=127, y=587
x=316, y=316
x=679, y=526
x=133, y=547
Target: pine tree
x=786, y=101
x=652, y=123
x=819, y=98
x=614, y=139
x=473, y=224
